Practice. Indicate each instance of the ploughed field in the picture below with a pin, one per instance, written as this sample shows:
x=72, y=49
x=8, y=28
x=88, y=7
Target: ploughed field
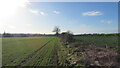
x=51, y=51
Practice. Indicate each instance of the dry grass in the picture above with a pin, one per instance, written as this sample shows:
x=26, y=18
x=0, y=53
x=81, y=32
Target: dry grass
x=97, y=56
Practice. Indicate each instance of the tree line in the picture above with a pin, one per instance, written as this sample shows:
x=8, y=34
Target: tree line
x=67, y=37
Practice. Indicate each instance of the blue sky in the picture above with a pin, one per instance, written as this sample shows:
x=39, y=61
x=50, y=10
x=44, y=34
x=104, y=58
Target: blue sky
x=78, y=17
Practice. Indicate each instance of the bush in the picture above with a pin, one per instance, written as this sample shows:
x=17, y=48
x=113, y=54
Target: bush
x=67, y=37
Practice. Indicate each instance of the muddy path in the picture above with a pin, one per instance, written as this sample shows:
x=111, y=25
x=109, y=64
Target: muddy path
x=25, y=60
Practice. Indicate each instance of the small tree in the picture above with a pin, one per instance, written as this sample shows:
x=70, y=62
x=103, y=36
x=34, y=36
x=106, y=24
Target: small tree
x=57, y=30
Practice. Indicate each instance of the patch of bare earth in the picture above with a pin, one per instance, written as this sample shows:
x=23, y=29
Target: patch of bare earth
x=98, y=56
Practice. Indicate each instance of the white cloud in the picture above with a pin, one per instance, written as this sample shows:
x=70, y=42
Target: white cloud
x=43, y=13
x=92, y=13
x=34, y=11
x=106, y=21
x=37, y=12
x=56, y=12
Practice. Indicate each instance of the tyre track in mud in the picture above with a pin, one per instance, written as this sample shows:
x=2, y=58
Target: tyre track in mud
x=31, y=55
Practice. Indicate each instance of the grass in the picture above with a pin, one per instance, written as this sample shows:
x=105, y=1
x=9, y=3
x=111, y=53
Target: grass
x=15, y=49
x=43, y=57
x=0, y=52
x=110, y=41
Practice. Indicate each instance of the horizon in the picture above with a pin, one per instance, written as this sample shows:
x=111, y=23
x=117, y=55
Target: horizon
x=60, y=32
x=78, y=17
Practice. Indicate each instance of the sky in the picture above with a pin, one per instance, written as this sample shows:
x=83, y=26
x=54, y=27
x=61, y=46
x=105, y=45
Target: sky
x=42, y=17
x=74, y=0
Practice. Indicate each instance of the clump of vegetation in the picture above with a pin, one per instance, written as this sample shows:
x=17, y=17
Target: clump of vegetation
x=97, y=56
x=91, y=50
x=67, y=37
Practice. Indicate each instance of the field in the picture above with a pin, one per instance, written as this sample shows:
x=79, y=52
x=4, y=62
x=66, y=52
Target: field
x=18, y=50
x=51, y=51
x=110, y=41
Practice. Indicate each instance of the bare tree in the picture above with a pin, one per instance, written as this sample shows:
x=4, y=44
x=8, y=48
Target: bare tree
x=57, y=30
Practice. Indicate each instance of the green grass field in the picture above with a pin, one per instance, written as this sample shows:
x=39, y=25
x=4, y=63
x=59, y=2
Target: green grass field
x=16, y=49
x=110, y=41
x=46, y=51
